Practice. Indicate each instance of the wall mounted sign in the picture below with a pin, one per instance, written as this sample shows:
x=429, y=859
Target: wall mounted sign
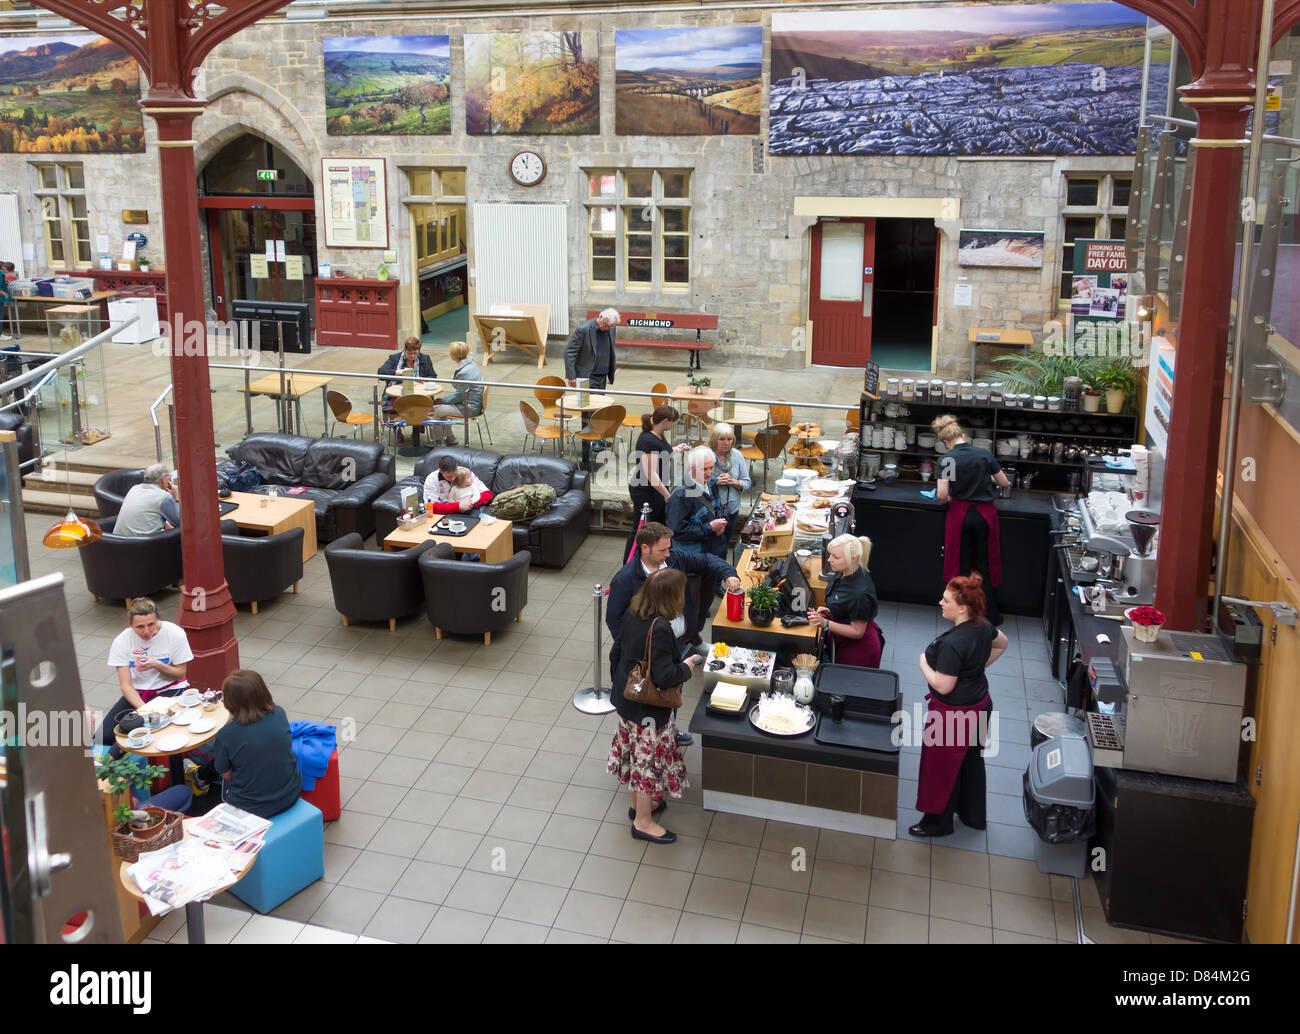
x=135, y=215
x=356, y=202
x=138, y=239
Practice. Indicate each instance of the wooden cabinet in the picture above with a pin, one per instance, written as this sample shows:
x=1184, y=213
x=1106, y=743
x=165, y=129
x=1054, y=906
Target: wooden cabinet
x=357, y=313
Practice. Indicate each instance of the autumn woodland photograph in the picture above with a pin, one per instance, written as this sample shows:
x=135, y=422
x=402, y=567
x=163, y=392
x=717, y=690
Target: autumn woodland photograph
x=532, y=83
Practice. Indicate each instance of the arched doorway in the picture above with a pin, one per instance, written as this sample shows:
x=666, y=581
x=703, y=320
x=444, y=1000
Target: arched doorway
x=261, y=222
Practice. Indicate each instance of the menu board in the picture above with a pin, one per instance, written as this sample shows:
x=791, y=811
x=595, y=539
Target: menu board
x=356, y=202
x=871, y=382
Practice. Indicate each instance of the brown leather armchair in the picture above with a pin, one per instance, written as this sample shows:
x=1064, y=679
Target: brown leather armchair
x=260, y=568
x=124, y=566
x=373, y=586
x=471, y=598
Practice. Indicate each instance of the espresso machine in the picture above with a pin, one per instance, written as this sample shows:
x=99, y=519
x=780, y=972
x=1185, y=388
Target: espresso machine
x=1120, y=534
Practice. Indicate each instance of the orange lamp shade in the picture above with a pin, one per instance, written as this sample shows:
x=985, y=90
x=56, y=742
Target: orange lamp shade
x=72, y=532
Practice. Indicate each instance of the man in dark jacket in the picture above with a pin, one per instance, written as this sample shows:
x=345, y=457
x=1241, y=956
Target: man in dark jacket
x=590, y=351
x=409, y=358
x=695, y=512
x=654, y=550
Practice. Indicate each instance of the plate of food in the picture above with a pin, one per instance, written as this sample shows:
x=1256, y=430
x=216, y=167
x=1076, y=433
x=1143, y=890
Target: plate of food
x=779, y=715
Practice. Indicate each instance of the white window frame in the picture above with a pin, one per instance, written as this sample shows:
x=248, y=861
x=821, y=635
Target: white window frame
x=621, y=201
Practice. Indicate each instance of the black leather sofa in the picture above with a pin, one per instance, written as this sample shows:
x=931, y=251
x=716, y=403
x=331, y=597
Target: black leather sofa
x=552, y=538
x=466, y=598
x=111, y=489
x=14, y=422
x=342, y=476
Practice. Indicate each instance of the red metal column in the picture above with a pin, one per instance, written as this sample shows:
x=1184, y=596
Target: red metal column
x=1221, y=98
x=207, y=613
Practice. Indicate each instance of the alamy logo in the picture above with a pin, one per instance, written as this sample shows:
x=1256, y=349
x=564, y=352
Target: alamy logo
x=92, y=987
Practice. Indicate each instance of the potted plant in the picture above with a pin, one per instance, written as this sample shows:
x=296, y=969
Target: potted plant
x=1147, y=622
x=143, y=263
x=123, y=775
x=698, y=384
x=1091, y=399
x=1117, y=379
x=763, y=603
x=1037, y=373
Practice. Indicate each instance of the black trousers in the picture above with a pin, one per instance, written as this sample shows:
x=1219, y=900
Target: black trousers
x=642, y=494
x=968, y=792
x=975, y=557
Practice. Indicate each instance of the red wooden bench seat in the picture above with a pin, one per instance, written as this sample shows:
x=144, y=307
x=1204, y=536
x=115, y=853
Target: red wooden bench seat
x=696, y=321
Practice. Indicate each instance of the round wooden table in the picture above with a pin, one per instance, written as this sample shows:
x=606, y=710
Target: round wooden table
x=743, y=415
x=429, y=388
x=193, y=741
x=194, y=931
x=570, y=400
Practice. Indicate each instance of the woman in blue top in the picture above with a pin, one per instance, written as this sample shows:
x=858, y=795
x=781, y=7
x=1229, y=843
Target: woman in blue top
x=466, y=400
x=730, y=472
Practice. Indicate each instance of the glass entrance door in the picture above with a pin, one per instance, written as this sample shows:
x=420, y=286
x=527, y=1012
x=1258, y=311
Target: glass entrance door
x=268, y=254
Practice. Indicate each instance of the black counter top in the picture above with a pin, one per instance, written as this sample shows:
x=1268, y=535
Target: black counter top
x=1022, y=503
x=1087, y=626
x=739, y=734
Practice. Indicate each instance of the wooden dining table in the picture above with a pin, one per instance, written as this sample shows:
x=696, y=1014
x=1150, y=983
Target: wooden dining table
x=296, y=385
x=172, y=705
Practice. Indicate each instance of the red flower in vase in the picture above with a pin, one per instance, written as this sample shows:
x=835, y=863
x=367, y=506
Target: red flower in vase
x=1146, y=616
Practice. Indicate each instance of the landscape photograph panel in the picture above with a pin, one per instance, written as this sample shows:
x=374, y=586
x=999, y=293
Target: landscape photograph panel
x=688, y=82
x=532, y=83
x=387, y=85
x=71, y=94
x=1038, y=79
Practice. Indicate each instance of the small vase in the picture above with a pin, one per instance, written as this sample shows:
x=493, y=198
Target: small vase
x=1115, y=400
x=760, y=617
x=1091, y=402
x=1146, y=633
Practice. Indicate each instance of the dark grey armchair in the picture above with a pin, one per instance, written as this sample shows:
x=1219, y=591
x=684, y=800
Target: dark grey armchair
x=120, y=567
x=373, y=586
x=112, y=487
x=473, y=598
x=263, y=567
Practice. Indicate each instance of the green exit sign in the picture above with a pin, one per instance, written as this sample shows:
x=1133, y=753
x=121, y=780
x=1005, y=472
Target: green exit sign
x=268, y=174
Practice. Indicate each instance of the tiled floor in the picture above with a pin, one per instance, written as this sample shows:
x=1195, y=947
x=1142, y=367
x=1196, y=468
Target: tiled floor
x=477, y=807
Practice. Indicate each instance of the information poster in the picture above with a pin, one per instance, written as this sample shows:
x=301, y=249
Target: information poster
x=1099, y=295
x=258, y=267
x=293, y=267
x=356, y=202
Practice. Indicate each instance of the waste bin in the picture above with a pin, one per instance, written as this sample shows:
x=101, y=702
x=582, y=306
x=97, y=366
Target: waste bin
x=1059, y=804
x=1056, y=723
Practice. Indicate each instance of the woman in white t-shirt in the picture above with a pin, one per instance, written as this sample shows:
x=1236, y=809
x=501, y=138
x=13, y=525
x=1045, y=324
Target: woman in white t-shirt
x=150, y=657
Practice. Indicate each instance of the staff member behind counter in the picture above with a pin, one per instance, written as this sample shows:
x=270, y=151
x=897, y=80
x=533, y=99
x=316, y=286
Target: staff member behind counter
x=851, y=604
x=971, y=541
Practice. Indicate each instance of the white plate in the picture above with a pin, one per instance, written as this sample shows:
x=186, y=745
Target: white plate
x=187, y=716
x=202, y=725
x=173, y=741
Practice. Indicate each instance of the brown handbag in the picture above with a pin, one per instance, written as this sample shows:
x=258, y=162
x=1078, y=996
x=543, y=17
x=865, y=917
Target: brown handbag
x=640, y=686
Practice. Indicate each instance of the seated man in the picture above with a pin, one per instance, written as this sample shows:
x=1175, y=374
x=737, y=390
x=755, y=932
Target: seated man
x=466, y=400
x=151, y=506
x=440, y=488
x=150, y=657
x=410, y=358
x=654, y=544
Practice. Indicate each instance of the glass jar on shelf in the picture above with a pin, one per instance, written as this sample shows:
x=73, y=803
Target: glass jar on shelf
x=951, y=391
x=922, y=391
x=909, y=389
x=893, y=391
x=982, y=393
x=967, y=393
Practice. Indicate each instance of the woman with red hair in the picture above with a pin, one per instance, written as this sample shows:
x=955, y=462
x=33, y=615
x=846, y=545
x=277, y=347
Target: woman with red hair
x=952, y=767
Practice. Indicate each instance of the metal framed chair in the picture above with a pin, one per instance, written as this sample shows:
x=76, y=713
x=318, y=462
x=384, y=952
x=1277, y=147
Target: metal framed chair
x=602, y=425
x=777, y=415
x=768, y=442
x=541, y=432
x=341, y=406
x=548, y=391
x=481, y=421
x=411, y=411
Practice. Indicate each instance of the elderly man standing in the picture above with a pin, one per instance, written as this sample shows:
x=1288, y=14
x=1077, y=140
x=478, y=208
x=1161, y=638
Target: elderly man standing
x=696, y=512
x=151, y=506
x=590, y=351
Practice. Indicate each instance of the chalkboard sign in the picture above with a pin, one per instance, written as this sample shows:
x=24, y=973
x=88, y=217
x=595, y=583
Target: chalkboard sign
x=871, y=382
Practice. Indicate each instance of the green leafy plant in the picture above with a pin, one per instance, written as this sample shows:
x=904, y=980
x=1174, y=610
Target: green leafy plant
x=763, y=597
x=124, y=775
x=1117, y=375
x=699, y=382
x=1036, y=373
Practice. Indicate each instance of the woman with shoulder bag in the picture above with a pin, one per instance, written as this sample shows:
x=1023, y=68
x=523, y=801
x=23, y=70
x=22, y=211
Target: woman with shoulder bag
x=647, y=685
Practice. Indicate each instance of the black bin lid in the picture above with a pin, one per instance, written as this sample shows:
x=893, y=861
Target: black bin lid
x=865, y=690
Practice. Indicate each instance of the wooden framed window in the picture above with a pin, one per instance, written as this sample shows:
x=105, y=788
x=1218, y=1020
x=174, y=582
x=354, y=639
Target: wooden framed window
x=639, y=229
x=61, y=193
x=1096, y=206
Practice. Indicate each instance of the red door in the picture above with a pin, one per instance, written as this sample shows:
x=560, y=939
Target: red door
x=843, y=259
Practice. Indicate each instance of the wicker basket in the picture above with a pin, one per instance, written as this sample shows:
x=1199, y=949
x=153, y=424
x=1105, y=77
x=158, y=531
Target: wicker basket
x=130, y=848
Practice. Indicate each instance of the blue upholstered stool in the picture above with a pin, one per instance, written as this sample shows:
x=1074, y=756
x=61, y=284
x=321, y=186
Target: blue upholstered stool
x=292, y=857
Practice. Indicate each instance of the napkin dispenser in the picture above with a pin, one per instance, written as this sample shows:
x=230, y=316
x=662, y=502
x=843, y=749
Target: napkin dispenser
x=729, y=404
x=408, y=382
x=584, y=398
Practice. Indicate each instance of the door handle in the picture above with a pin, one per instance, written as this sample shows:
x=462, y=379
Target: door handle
x=866, y=301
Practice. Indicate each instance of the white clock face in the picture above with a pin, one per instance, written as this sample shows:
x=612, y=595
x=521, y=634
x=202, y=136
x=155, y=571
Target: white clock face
x=527, y=167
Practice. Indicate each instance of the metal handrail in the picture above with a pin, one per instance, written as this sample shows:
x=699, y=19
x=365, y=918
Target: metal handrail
x=153, y=415
x=26, y=398
x=59, y=361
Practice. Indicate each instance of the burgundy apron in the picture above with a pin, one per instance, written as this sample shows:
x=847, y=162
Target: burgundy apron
x=861, y=653
x=941, y=760
x=952, y=539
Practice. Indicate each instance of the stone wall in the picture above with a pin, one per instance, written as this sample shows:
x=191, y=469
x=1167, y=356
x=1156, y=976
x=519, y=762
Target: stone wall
x=749, y=254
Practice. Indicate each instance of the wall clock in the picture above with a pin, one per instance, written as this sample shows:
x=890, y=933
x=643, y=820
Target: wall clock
x=527, y=168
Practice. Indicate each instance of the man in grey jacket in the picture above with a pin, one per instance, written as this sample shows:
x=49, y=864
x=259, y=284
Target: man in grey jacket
x=590, y=351
x=151, y=506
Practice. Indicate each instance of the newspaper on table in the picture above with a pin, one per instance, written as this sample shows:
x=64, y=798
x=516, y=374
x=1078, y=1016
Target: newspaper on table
x=227, y=823
x=192, y=870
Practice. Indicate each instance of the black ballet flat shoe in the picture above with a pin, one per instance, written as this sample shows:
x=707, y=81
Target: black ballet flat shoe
x=669, y=836
x=922, y=830
x=631, y=812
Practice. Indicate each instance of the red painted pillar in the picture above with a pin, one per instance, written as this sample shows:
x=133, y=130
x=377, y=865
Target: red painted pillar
x=1222, y=99
x=207, y=613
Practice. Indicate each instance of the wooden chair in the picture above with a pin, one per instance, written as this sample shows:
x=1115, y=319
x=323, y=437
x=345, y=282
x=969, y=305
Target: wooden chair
x=548, y=391
x=852, y=420
x=768, y=442
x=658, y=397
x=341, y=406
x=603, y=424
x=410, y=411
x=542, y=432
x=776, y=416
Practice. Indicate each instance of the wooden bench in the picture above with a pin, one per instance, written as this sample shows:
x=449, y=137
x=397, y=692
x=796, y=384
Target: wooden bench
x=696, y=321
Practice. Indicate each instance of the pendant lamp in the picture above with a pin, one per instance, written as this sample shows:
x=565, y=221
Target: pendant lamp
x=72, y=531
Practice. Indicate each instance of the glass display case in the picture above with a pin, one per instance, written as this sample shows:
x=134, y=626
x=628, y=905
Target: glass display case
x=67, y=326
x=74, y=404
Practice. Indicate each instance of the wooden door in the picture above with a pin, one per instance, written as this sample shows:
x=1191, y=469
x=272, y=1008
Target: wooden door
x=840, y=291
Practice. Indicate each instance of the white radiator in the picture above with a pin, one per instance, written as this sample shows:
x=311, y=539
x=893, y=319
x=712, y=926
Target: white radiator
x=521, y=256
x=11, y=233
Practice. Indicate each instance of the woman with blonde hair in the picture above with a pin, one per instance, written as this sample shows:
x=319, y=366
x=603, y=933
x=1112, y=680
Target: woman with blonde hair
x=849, y=616
x=730, y=472
x=971, y=538
x=466, y=400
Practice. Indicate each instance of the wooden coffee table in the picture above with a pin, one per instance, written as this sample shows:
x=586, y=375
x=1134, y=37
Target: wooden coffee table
x=493, y=542
x=279, y=514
